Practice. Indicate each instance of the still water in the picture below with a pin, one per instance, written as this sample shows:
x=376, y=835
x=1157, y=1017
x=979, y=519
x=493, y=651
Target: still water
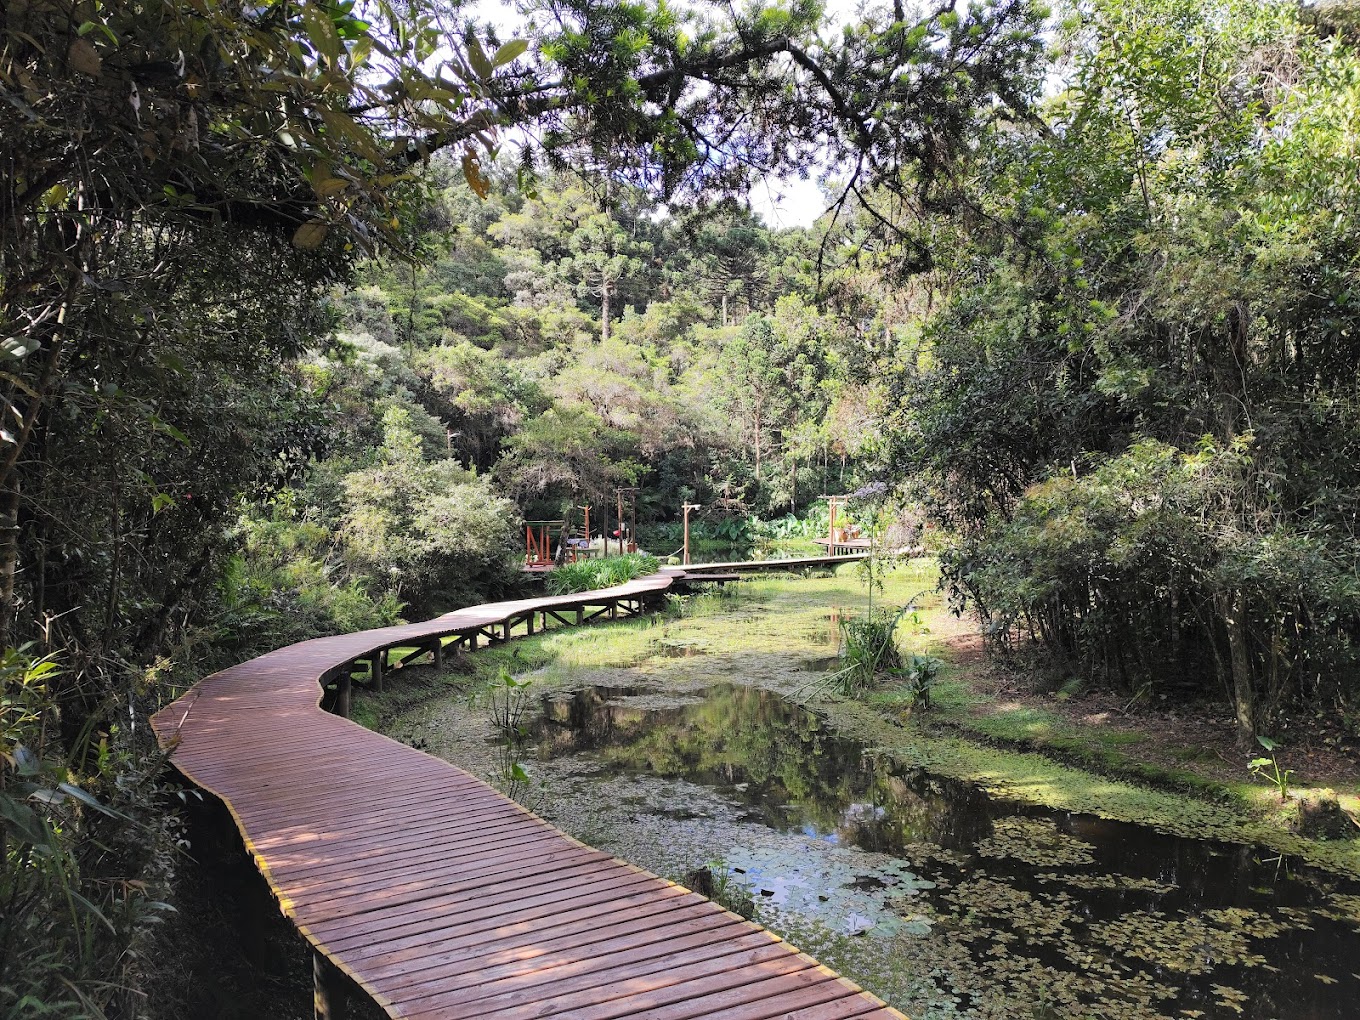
x=944, y=900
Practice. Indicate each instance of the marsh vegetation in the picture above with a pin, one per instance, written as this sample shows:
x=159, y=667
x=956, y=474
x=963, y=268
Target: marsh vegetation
x=951, y=875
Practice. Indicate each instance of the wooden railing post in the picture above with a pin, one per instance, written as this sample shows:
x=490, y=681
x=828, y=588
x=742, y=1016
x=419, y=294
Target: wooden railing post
x=342, y=690
x=328, y=995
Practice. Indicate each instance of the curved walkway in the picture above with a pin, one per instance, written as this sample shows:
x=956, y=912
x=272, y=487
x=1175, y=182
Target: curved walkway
x=440, y=896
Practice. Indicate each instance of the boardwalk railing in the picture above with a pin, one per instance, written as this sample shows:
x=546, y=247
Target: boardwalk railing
x=441, y=897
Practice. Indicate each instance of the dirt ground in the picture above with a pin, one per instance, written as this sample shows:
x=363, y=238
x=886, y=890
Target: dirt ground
x=1198, y=738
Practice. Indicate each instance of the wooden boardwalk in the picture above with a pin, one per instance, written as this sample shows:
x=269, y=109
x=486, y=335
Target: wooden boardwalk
x=441, y=897
x=697, y=570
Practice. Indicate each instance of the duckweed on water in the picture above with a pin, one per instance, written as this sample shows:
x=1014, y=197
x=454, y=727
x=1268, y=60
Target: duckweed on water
x=1035, y=841
x=946, y=901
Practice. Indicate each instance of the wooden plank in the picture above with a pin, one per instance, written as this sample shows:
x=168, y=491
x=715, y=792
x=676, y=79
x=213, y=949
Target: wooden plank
x=588, y=986
x=532, y=940
x=809, y=993
x=402, y=911
x=474, y=923
x=453, y=877
x=626, y=989
x=483, y=991
x=414, y=852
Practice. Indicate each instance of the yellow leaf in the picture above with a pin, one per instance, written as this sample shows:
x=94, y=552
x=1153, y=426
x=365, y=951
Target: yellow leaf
x=310, y=235
x=472, y=173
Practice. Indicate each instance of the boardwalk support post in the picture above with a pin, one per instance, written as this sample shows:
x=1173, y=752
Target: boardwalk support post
x=375, y=669
x=327, y=991
x=438, y=650
x=342, y=687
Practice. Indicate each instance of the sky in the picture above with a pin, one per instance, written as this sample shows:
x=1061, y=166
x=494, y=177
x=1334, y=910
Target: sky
x=781, y=202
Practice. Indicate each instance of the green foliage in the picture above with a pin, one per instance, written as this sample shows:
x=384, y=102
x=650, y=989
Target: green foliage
x=869, y=655
x=920, y=674
x=717, y=881
x=1132, y=403
x=71, y=918
x=602, y=572
x=508, y=701
x=428, y=532
x=210, y=447
x=1269, y=768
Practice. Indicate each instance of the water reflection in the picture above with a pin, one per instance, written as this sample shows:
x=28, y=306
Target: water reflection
x=777, y=760
x=1160, y=925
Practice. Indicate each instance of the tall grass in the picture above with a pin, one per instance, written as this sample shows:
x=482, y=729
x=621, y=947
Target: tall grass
x=587, y=575
x=869, y=655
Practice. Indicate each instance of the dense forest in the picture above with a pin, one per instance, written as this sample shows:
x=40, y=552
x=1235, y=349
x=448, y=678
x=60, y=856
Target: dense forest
x=295, y=340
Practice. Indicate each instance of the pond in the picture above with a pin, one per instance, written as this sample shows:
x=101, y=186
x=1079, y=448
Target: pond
x=941, y=899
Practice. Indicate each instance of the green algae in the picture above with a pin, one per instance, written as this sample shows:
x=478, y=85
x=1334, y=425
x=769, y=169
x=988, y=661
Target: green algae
x=973, y=930
x=929, y=927
x=773, y=632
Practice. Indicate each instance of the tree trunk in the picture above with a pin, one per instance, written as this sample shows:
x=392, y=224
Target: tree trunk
x=604, y=309
x=758, y=425
x=1234, y=613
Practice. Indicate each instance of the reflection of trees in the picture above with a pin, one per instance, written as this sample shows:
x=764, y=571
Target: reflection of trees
x=793, y=773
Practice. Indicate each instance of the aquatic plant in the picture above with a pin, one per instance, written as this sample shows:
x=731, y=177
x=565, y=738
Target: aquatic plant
x=1035, y=841
x=921, y=673
x=717, y=881
x=869, y=654
x=1269, y=768
x=508, y=703
x=711, y=600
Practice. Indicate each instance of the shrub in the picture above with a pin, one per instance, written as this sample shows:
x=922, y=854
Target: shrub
x=589, y=575
x=869, y=654
x=83, y=840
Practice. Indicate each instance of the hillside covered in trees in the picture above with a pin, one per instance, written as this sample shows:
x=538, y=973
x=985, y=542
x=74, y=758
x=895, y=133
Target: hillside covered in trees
x=298, y=332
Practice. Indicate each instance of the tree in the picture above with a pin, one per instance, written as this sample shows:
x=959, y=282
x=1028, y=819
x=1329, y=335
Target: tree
x=1166, y=264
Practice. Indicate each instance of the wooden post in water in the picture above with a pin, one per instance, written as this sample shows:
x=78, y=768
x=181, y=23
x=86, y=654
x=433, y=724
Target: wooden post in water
x=327, y=992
